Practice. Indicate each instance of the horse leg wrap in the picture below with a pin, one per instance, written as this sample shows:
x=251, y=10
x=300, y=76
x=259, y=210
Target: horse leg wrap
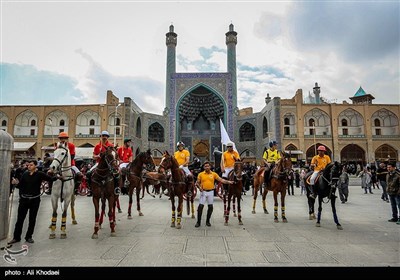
x=283, y=211
x=53, y=223
x=63, y=223
x=173, y=217
x=275, y=212
x=210, y=209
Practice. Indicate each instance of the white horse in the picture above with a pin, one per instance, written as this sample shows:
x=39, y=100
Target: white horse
x=63, y=189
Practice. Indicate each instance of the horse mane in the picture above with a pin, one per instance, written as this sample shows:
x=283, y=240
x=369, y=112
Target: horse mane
x=327, y=169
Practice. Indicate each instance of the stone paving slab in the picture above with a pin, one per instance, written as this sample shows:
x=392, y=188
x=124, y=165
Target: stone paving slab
x=367, y=239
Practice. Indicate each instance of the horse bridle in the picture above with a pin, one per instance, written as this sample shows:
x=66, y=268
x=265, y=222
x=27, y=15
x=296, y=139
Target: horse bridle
x=60, y=162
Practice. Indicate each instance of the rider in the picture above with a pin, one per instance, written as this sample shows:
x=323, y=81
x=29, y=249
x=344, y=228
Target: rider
x=318, y=162
x=101, y=148
x=182, y=156
x=125, y=155
x=228, y=161
x=63, y=137
x=270, y=157
x=205, y=182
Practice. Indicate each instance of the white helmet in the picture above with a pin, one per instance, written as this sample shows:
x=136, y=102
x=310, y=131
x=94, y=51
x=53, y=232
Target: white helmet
x=105, y=132
x=180, y=143
x=229, y=144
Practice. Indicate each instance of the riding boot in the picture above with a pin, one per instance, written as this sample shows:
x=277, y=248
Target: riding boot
x=209, y=212
x=77, y=181
x=117, y=189
x=312, y=192
x=89, y=183
x=199, y=213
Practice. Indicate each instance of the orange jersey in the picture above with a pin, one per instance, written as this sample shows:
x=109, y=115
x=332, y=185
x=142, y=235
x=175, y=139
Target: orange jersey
x=320, y=162
x=207, y=180
x=229, y=158
x=181, y=156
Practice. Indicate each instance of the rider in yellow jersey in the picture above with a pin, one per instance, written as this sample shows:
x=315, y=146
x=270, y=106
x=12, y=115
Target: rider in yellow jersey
x=183, y=157
x=318, y=162
x=270, y=157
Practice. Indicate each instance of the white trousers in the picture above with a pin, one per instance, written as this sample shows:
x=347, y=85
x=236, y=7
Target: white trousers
x=227, y=170
x=206, y=196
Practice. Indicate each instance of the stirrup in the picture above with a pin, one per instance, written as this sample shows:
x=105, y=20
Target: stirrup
x=117, y=191
x=126, y=183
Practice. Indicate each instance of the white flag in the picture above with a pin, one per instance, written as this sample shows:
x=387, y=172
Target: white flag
x=224, y=135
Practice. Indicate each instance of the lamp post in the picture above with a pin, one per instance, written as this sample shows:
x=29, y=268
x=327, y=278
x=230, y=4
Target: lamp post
x=314, y=132
x=115, y=124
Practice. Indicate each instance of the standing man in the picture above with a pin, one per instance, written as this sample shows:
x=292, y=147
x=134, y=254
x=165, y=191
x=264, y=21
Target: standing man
x=381, y=176
x=125, y=155
x=393, y=190
x=206, y=182
x=270, y=157
x=63, y=136
x=344, y=185
x=318, y=162
x=228, y=161
x=183, y=157
x=29, y=193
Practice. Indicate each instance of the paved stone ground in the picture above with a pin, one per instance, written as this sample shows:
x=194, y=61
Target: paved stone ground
x=367, y=239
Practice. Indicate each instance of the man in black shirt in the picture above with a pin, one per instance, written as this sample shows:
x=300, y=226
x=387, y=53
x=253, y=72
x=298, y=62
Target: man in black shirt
x=29, y=193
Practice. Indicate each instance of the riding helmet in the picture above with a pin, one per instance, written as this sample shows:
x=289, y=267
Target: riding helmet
x=272, y=143
x=63, y=135
x=105, y=132
x=321, y=148
x=180, y=143
x=126, y=140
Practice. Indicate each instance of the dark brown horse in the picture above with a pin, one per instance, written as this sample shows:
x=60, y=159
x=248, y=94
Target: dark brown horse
x=278, y=184
x=179, y=186
x=134, y=178
x=325, y=185
x=234, y=191
x=102, y=186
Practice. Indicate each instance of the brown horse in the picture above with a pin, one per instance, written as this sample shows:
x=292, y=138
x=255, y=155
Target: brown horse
x=234, y=191
x=158, y=180
x=179, y=186
x=102, y=186
x=134, y=177
x=278, y=184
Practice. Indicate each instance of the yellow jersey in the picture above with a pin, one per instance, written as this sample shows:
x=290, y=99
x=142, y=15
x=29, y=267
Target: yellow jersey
x=181, y=156
x=272, y=156
x=320, y=162
x=207, y=180
x=229, y=158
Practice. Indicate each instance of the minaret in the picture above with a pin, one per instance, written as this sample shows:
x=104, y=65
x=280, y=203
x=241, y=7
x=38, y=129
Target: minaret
x=317, y=91
x=171, y=42
x=231, y=41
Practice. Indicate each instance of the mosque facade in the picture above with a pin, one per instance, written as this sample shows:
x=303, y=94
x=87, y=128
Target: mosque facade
x=195, y=103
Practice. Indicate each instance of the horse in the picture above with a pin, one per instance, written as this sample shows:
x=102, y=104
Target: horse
x=134, y=177
x=158, y=180
x=63, y=189
x=234, y=191
x=325, y=186
x=179, y=186
x=102, y=186
x=278, y=184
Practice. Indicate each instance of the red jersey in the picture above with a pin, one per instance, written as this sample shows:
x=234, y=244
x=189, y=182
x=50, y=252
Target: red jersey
x=71, y=148
x=100, y=148
x=124, y=153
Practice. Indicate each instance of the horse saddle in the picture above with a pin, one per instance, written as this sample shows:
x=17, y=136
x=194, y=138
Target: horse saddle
x=308, y=177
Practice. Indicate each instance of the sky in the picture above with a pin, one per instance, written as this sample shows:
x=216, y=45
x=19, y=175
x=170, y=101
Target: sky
x=71, y=52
